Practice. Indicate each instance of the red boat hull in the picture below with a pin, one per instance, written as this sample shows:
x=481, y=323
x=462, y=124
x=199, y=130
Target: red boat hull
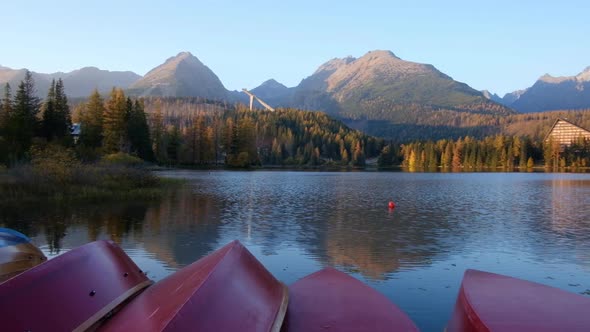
x=330, y=300
x=228, y=290
x=493, y=302
x=71, y=292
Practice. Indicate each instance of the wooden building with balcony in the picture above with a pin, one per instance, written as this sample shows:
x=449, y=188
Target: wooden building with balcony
x=565, y=133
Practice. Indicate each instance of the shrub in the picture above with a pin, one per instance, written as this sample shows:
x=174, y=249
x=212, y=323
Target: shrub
x=88, y=154
x=55, y=174
x=53, y=164
x=123, y=159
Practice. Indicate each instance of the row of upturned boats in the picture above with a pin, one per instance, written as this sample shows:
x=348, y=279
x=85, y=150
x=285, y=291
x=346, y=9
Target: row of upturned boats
x=97, y=287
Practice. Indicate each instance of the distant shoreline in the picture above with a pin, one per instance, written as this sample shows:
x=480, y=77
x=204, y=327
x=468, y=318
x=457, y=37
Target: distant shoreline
x=372, y=168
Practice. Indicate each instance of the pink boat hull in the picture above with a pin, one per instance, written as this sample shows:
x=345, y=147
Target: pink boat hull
x=493, y=302
x=228, y=290
x=330, y=300
x=71, y=292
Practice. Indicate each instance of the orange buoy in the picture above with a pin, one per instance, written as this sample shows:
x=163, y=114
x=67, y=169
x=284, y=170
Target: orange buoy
x=391, y=205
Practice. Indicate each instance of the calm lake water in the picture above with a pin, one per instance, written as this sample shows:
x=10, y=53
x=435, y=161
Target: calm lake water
x=528, y=225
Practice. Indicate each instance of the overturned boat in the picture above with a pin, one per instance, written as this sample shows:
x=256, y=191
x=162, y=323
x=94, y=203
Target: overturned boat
x=72, y=292
x=493, y=302
x=97, y=287
x=330, y=300
x=228, y=290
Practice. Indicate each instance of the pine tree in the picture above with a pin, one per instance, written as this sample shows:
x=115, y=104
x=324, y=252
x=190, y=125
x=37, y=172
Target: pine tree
x=48, y=122
x=202, y=139
x=548, y=153
x=447, y=156
x=5, y=110
x=128, y=113
x=412, y=161
x=228, y=134
x=432, y=158
x=523, y=156
x=233, y=143
x=343, y=153
x=63, y=116
x=114, y=128
x=530, y=163
x=2, y=119
x=315, y=156
x=386, y=156
x=138, y=132
x=208, y=148
x=276, y=153
x=157, y=134
x=23, y=123
x=91, y=127
x=247, y=139
x=456, y=163
x=358, y=155
x=173, y=144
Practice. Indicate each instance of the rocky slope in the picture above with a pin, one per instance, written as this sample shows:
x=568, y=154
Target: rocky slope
x=380, y=80
x=180, y=76
x=553, y=93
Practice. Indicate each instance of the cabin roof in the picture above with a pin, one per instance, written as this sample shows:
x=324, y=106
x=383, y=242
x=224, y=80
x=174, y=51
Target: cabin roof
x=564, y=120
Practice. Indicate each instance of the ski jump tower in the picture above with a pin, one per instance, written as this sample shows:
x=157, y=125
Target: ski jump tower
x=252, y=97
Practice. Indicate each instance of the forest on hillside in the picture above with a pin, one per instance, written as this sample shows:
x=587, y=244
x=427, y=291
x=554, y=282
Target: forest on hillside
x=410, y=123
x=175, y=131
x=515, y=141
x=206, y=133
x=193, y=131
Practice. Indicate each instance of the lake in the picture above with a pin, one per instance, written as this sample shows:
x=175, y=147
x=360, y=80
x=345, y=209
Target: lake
x=534, y=226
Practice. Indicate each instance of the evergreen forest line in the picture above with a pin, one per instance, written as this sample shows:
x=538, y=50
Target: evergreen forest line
x=206, y=133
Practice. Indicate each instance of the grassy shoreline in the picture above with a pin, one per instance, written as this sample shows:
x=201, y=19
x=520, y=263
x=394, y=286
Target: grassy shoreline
x=91, y=183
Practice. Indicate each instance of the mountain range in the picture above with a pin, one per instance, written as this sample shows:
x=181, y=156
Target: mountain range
x=354, y=87
x=376, y=83
x=550, y=93
x=78, y=83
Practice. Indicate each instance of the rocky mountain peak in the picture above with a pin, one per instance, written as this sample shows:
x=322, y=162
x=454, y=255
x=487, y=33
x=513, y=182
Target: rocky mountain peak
x=272, y=83
x=179, y=76
x=554, y=80
x=180, y=58
x=375, y=67
x=333, y=65
x=492, y=96
x=271, y=90
x=89, y=69
x=584, y=76
x=381, y=54
x=553, y=93
x=184, y=54
x=487, y=94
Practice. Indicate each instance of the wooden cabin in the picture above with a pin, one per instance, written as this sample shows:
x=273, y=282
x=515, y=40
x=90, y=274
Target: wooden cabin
x=565, y=133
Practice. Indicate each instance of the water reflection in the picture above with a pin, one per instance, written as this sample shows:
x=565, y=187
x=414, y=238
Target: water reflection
x=528, y=225
x=183, y=228
x=51, y=225
x=568, y=197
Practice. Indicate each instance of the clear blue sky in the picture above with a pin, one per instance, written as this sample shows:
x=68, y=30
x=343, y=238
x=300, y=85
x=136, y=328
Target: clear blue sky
x=497, y=45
